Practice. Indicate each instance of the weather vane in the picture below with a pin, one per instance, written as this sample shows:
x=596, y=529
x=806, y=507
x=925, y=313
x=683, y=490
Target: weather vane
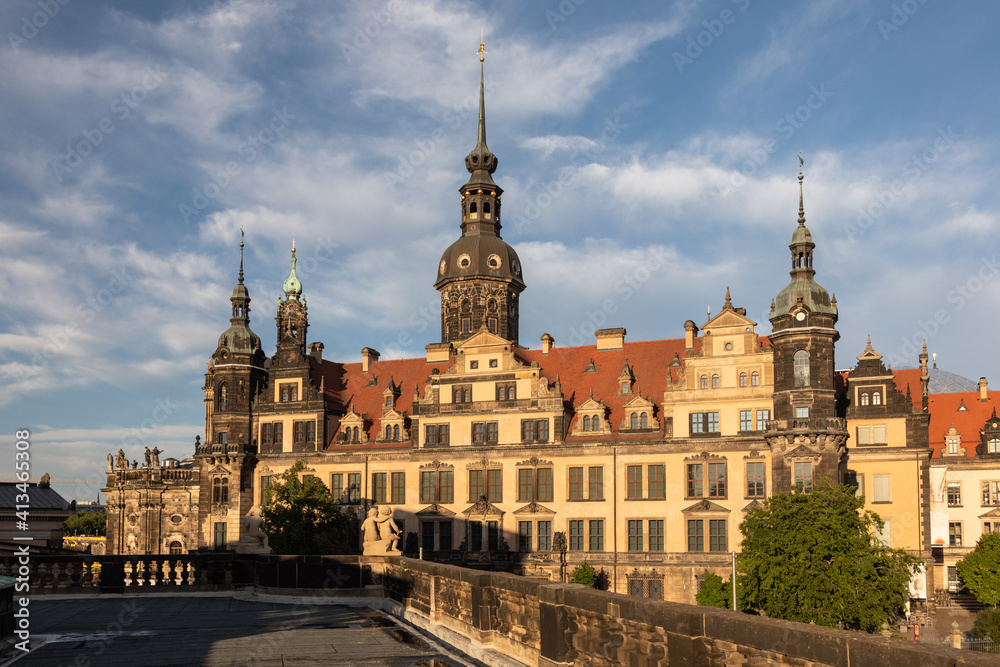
x=482, y=46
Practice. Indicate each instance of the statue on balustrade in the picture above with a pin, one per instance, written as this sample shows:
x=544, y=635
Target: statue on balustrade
x=254, y=539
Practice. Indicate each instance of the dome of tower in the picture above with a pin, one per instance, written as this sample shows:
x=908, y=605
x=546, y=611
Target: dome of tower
x=483, y=255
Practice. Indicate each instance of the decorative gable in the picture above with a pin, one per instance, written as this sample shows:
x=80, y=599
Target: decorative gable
x=533, y=508
x=704, y=506
x=591, y=418
x=639, y=415
x=989, y=444
x=483, y=508
x=435, y=510
x=352, y=428
x=392, y=428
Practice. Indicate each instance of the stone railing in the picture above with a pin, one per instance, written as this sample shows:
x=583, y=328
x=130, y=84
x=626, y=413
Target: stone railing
x=535, y=622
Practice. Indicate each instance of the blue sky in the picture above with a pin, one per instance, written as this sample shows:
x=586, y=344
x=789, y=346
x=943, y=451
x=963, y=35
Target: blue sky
x=647, y=152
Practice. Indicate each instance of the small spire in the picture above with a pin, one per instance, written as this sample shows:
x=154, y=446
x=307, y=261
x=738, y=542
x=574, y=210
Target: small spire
x=925, y=346
x=729, y=301
x=834, y=301
x=802, y=210
x=241, y=255
x=482, y=45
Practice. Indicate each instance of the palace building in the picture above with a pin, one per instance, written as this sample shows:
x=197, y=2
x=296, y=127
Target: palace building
x=640, y=457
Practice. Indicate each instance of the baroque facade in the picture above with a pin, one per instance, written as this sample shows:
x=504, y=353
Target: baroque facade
x=640, y=457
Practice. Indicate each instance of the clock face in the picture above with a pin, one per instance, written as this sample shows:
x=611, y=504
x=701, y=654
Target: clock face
x=800, y=316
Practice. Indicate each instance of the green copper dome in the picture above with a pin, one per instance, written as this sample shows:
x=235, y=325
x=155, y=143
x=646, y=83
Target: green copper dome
x=292, y=286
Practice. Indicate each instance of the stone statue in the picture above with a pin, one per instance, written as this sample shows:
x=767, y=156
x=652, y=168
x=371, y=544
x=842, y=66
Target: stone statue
x=149, y=457
x=135, y=464
x=380, y=533
x=156, y=456
x=254, y=539
x=122, y=460
x=111, y=462
x=131, y=544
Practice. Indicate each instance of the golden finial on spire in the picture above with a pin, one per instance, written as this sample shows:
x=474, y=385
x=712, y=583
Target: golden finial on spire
x=293, y=246
x=802, y=210
x=482, y=46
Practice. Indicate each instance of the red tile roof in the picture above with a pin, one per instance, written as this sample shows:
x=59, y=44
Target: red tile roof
x=649, y=360
x=945, y=413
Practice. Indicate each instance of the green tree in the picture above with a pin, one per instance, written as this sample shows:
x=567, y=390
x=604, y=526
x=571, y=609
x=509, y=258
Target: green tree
x=987, y=623
x=714, y=592
x=584, y=574
x=980, y=570
x=301, y=517
x=86, y=523
x=816, y=557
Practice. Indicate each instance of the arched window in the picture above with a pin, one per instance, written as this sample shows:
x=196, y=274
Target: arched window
x=354, y=434
x=644, y=420
x=704, y=382
x=223, y=402
x=864, y=398
x=486, y=210
x=388, y=432
x=634, y=422
x=754, y=379
x=395, y=432
x=743, y=379
x=220, y=490
x=993, y=446
x=715, y=381
x=473, y=211
x=800, y=367
x=586, y=423
x=876, y=398
x=176, y=549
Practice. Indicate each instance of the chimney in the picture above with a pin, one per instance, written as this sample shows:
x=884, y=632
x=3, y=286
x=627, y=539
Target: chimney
x=690, y=333
x=368, y=357
x=610, y=339
x=982, y=389
x=547, y=342
x=316, y=351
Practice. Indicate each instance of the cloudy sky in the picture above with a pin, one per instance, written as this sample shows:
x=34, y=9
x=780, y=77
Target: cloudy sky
x=647, y=152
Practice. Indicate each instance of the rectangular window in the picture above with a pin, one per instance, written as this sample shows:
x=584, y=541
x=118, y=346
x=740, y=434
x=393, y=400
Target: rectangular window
x=656, y=535
x=576, y=535
x=265, y=489
x=493, y=535
x=595, y=486
x=803, y=475
x=266, y=435
x=354, y=488
x=746, y=420
x=991, y=493
x=428, y=487
x=444, y=535
x=696, y=535
x=657, y=482
x=525, y=484
x=427, y=536
x=878, y=434
x=717, y=535
x=220, y=534
x=801, y=413
x=953, y=445
x=695, y=478
x=954, y=494
x=379, y=487
x=477, y=485
x=762, y=418
x=576, y=483
x=437, y=487
x=545, y=536
x=635, y=535
x=303, y=432
x=289, y=391
x=535, y=430
x=596, y=534
x=446, y=486
x=716, y=480
x=398, y=488
x=476, y=535
x=704, y=422
x=437, y=434
x=543, y=477
x=222, y=437
x=337, y=487
x=483, y=432
x=524, y=536
x=954, y=533
x=755, y=479
x=494, y=485
x=864, y=435
x=881, y=491
x=885, y=535
x=634, y=486
x=279, y=438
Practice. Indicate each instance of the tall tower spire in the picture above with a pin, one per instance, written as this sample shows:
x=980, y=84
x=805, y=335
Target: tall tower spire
x=479, y=275
x=293, y=318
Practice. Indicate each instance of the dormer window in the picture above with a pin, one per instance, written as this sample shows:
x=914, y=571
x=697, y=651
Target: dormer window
x=953, y=445
x=625, y=387
x=993, y=446
x=388, y=401
x=876, y=398
x=643, y=420
x=586, y=423
x=289, y=391
x=864, y=398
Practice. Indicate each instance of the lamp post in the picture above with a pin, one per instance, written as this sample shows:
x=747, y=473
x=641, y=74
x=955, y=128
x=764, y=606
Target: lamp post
x=735, y=608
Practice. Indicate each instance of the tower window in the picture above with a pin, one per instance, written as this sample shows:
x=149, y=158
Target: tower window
x=473, y=211
x=491, y=325
x=801, y=368
x=289, y=392
x=486, y=211
x=466, y=325
x=223, y=402
x=220, y=490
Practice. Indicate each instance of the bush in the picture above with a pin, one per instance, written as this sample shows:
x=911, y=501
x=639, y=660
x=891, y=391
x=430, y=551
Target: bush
x=987, y=623
x=584, y=574
x=715, y=593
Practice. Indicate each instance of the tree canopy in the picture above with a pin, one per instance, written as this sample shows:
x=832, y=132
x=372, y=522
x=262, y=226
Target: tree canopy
x=715, y=592
x=86, y=523
x=301, y=517
x=980, y=569
x=816, y=557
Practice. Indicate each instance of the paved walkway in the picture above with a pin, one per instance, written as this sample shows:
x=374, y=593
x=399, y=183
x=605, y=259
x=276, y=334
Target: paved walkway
x=219, y=631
